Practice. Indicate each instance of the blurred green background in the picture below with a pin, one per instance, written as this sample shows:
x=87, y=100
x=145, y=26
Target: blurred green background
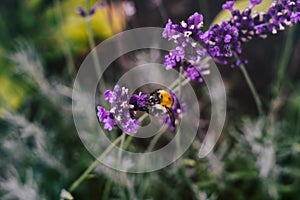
x=42, y=44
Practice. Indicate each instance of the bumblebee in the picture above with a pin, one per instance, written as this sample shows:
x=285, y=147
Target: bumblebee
x=161, y=102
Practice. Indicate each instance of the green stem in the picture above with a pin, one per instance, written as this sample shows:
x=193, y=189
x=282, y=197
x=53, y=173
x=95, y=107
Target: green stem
x=281, y=75
x=171, y=87
x=127, y=142
x=180, y=82
x=121, y=148
x=155, y=139
x=178, y=147
x=66, y=46
x=163, y=12
x=107, y=187
x=253, y=90
x=83, y=176
x=119, y=162
x=186, y=81
x=286, y=54
x=92, y=45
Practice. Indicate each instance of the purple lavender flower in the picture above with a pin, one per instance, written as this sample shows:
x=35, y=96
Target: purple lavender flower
x=224, y=41
x=170, y=61
x=109, y=123
x=119, y=113
x=81, y=12
x=191, y=28
x=139, y=102
x=192, y=72
x=109, y=96
x=185, y=36
x=92, y=11
x=169, y=31
x=120, y=110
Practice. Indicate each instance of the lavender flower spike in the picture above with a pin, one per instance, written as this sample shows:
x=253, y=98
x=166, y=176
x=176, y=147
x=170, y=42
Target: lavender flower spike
x=119, y=113
x=120, y=110
x=185, y=35
x=224, y=41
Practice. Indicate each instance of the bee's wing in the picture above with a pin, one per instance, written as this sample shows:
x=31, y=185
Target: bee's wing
x=172, y=117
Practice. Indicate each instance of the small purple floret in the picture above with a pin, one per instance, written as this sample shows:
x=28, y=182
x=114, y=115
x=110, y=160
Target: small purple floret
x=81, y=12
x=255, y=2
x=228, y=5
x=105, y=117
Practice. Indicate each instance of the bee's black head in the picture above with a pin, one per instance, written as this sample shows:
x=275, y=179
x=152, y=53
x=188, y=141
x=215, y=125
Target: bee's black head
x=154, y=97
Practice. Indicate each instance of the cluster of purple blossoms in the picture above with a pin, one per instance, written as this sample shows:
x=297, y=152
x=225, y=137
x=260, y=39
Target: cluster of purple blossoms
x=119, y=114
x=224, y=41
x=188, y=52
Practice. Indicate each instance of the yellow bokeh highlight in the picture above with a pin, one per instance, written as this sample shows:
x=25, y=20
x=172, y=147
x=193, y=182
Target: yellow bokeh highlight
x=107, y=21
x=75, y=27
x=11, y=95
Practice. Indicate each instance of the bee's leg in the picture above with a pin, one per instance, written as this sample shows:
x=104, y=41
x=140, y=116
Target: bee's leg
x=172, y=117
x=132, y=112
x=145, y=109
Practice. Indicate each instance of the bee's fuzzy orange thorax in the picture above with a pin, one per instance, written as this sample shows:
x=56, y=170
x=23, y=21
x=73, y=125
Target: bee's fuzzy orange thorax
x=166, y=99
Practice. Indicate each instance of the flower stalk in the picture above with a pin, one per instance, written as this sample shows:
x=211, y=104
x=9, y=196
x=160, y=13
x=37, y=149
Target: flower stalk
x=253, y=90
x=94, y=164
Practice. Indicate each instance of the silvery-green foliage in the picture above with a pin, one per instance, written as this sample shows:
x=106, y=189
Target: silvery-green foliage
x=13, y=187
x=27, y=62
x=22, y=131
x=27, y=144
